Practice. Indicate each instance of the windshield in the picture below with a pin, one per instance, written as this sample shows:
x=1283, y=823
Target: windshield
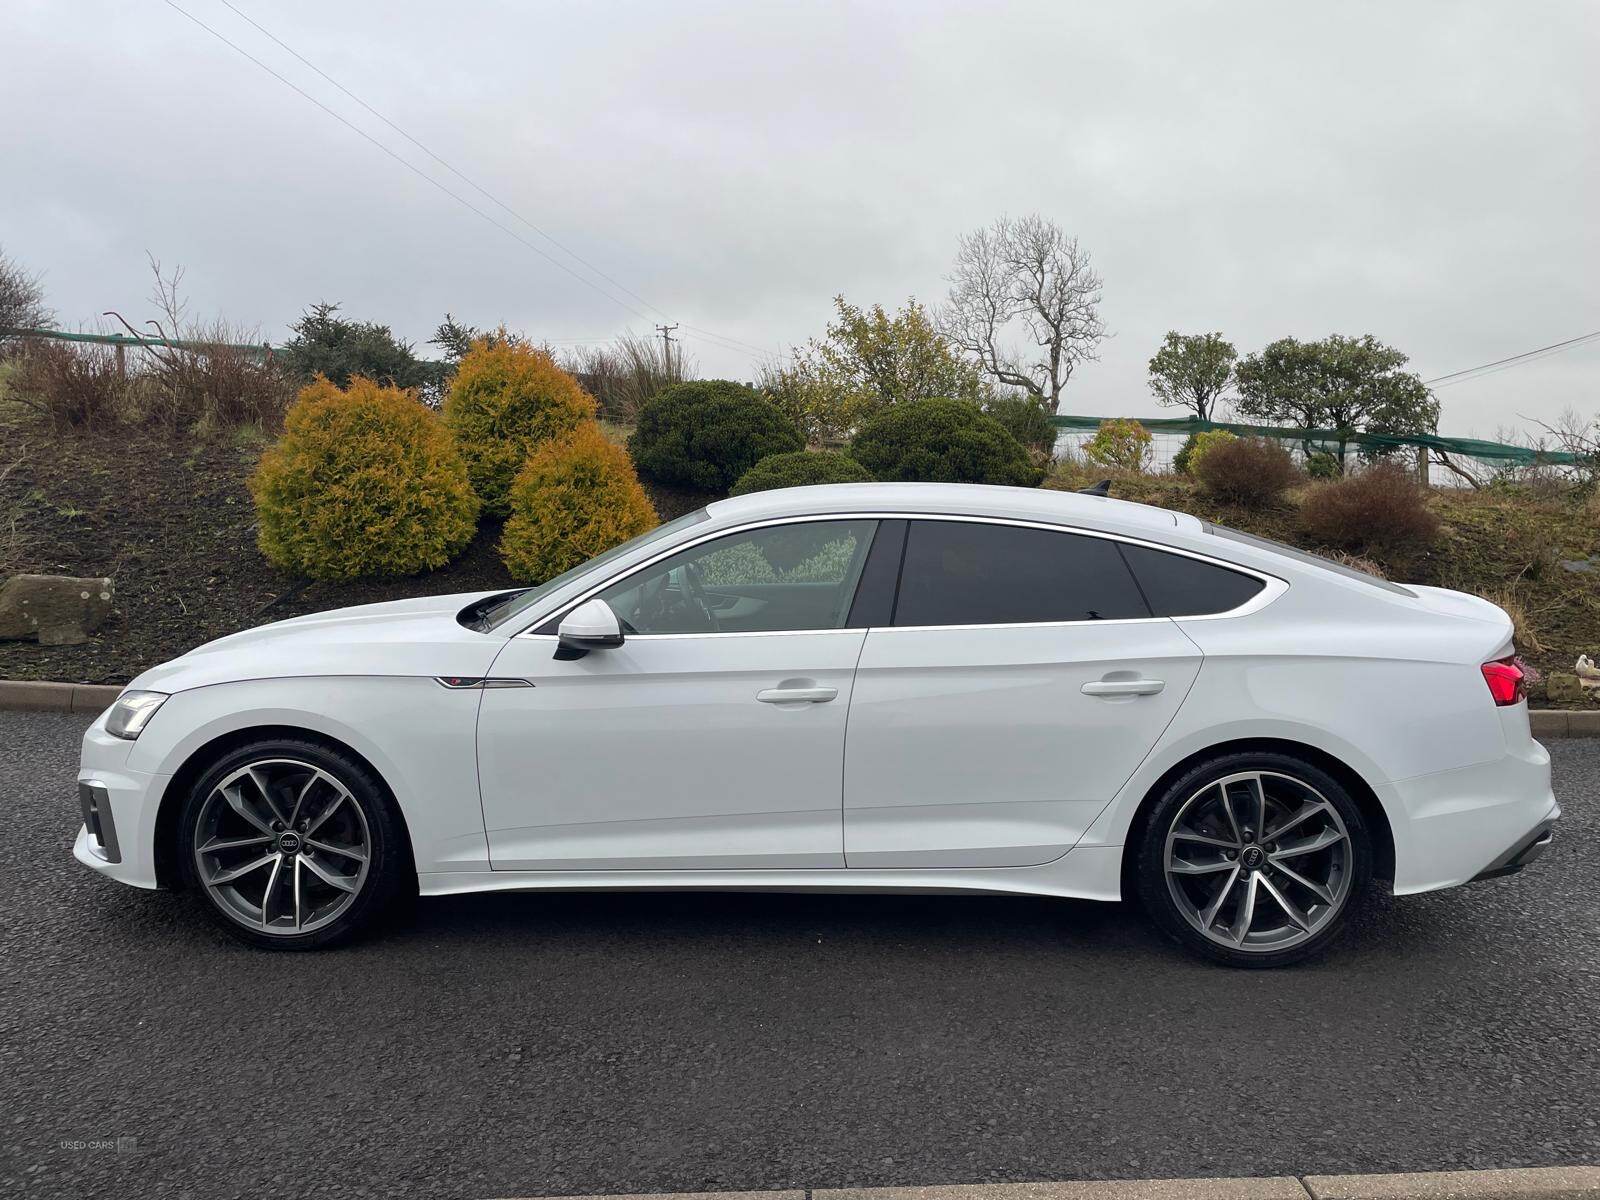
x=511, y=606
x=1310, y=560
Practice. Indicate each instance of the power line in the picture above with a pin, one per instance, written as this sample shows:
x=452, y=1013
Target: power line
x=716, y=338
x=479, y=188
x=412, y=167
x=1554, y=347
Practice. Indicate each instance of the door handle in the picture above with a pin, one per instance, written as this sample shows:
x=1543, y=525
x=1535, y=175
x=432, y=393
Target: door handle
x=1123, y=687
x=797, y=695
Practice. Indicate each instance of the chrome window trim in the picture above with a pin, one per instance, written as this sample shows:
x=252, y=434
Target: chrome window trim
x=1272, y=588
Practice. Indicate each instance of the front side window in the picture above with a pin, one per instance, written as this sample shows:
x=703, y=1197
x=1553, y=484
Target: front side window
x=966, y=573
x=778, y=578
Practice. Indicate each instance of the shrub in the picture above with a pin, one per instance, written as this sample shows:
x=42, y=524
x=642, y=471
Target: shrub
x=1380, y=513
x=1026, y=420
x=1322, y=465
x=799, y=468
x=946, y=441
x=75, y=386
x=1121, y=444
x=707, y=434
x=363, y=482
x=624, y=376
x=1195, y=447
x=1248, y=471
x=575, y=497
x=507, y=397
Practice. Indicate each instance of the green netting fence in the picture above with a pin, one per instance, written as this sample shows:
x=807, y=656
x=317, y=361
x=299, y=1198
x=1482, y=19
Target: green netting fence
x=1468, y=458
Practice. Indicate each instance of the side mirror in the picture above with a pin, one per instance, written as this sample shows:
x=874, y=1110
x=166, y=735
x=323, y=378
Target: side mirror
x=590, y=626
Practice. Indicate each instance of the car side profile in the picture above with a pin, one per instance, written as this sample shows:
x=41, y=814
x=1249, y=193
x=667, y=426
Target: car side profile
x=863, y=687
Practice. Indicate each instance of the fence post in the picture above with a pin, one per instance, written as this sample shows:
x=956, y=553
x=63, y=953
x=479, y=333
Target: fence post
x=1422, y=465
x=122, y=363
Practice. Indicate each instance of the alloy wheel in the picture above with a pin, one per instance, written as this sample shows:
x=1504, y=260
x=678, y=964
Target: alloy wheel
x=282, y=846
x=1258, y=861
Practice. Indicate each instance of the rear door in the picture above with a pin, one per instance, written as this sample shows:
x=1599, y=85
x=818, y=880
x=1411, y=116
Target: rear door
x=1017, y=684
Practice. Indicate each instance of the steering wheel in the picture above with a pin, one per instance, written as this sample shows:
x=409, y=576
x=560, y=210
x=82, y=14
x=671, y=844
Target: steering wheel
x=695, y=590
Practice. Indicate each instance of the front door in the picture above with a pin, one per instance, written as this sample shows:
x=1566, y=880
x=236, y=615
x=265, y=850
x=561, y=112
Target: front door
x=1020, y=682
x=712, y=738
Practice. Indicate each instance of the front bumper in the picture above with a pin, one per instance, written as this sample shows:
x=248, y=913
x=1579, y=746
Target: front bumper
x=119, y=810
x=1523, y=853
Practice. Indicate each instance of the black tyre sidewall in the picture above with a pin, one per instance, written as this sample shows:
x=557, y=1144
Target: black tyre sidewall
x=1151, y=881
x=386, y=868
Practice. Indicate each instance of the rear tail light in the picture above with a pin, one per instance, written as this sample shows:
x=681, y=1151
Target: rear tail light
x=1507, y=684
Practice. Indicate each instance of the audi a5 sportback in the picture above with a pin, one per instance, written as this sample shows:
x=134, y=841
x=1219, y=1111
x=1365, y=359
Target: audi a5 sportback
x=865, y=687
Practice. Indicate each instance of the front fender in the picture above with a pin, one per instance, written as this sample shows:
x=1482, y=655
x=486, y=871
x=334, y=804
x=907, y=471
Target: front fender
x=418, y=736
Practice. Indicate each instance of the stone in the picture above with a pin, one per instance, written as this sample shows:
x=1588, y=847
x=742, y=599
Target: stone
x=59, y=610
x=1563, y=688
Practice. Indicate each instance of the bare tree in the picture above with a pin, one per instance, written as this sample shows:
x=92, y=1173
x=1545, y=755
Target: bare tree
x=1025, y=281
x=22, y=303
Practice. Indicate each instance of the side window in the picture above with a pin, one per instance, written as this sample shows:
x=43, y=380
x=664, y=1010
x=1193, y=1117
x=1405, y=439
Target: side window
x=1177, y=586
x=779, y=578
x=966, y=573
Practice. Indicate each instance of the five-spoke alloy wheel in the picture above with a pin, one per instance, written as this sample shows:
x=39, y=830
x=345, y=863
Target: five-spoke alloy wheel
x=291, y=844
x=1254, y=859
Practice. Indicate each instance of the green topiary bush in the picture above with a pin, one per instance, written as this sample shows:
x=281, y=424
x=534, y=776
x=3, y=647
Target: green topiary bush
x=507, y=397
x=946, y=441
x=1026, y=420
x=1195, y=447
x=363, y=482
x=575, y=497
x=800, y=468
x=706, y=434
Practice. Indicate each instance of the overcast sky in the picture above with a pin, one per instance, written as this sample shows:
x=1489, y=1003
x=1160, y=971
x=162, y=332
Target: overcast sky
x=1425, y=172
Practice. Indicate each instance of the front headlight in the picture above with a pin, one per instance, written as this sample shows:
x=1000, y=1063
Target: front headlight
x=132, y=712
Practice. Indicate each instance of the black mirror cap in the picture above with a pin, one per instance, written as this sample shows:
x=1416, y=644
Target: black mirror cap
x=569, y=648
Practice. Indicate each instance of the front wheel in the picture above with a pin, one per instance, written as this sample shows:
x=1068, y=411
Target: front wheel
x=1254, y=860
x=292, y=845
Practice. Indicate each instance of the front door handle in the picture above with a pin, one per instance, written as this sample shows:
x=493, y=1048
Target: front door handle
x=797, y=695
x=1123, y=687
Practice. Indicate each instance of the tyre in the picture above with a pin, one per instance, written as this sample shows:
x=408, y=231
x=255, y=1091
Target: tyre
x=292, y=845
x=1254, y=860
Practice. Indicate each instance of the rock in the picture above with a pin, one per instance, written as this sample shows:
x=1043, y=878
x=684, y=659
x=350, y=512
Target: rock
x=57, y=609
x=1563, y=687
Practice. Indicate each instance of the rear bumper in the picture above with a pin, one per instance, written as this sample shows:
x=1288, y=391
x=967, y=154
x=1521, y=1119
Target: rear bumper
x=1523, y=852
x=1452, y=827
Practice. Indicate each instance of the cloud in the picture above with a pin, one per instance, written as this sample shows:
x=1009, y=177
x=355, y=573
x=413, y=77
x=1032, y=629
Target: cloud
x=1427, y=173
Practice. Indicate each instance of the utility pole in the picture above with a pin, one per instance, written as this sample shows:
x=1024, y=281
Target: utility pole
x=666, y=342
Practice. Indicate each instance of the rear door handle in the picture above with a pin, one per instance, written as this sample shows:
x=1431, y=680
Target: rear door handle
x=1123, y=687
x=797, y=695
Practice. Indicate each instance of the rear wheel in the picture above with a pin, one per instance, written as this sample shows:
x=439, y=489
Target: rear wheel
x=1254, y=860
x=291, y=845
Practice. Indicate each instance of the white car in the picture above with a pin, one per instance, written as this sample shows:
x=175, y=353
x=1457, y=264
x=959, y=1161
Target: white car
x=862, y=687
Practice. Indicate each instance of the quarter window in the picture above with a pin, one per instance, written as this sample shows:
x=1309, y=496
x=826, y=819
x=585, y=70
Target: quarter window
x=778, y=578
x=967, y=573
x=1176, y=586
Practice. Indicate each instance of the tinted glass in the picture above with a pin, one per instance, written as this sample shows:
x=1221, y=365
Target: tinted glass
x=514, y=605
x=961, y=573
x=1177, y=586
x=1309, y=560
x=779, y=578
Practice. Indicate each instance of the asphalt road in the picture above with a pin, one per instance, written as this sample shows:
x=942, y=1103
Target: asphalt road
x=518, y=1045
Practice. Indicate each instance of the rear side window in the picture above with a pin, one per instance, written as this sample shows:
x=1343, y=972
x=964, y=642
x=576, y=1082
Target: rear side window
x=1176, y=586
x=966, y=573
